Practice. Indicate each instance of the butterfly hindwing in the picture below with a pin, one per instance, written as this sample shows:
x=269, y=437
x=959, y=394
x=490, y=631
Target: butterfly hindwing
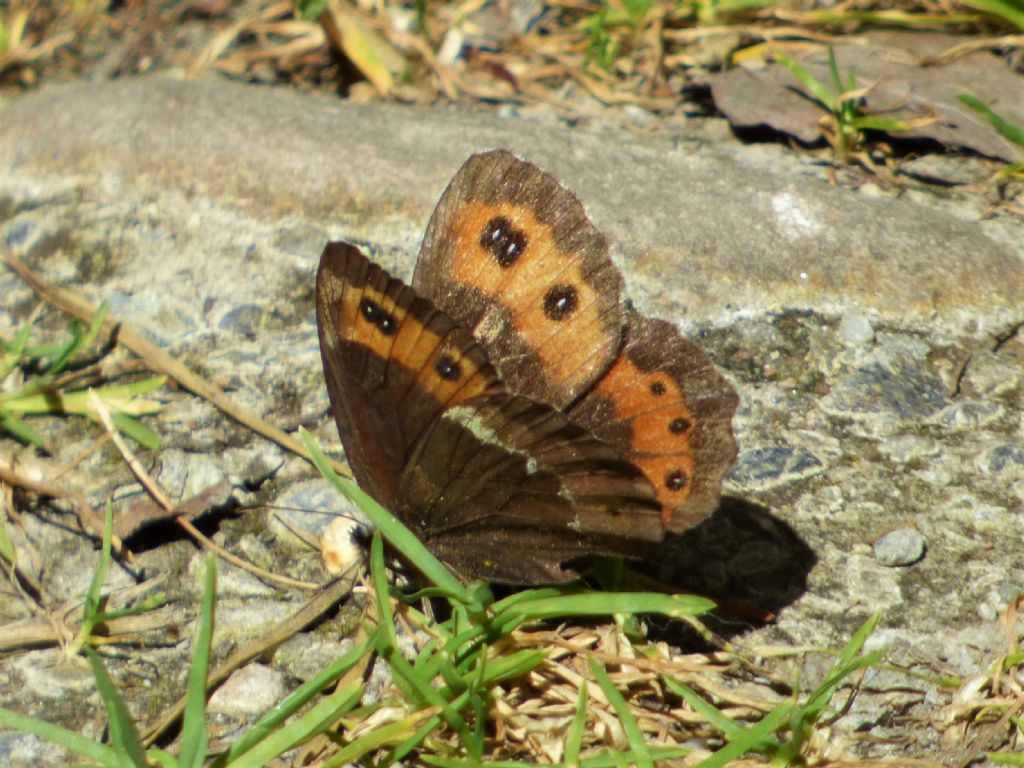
x=511, y=254
x=665, y=408
x=508, y=489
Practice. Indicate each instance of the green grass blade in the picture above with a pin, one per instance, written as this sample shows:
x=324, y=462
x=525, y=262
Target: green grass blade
x=1008, y=10
x=464, y=645
x=606, y=604
x=476, y=700
x=390, y=528
x=8, y=554
x=138, y=432
x=728, y=727
x=424, y=692
x=124, y=736
x=314, y=722
x=849, y=662
x=63, y=737
x=1006, y=758
x=889, y=125
x=310, y=9
x=753, y=738
x=860, y=637
x=514, y=665
x=1013, y=169
x=80, y=339
x=119, y=398
x=193, y=728
x=630, y=727
x=1006, y=129
x=297, y=699
x=96, y=324
x=391, y=733
x=93, y=596
x=151, y=603
x=13, y=351
x=162, y=759
x=382, y=590
x=820, y=93
x=532, y=594
x=406, y=747
x=833, y=71
x=19, y=430
x=574, y=736
x=65, y=351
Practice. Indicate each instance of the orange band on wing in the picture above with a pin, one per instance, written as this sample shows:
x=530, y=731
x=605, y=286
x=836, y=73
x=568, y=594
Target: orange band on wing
x=661, y=427
x=543, y=291
x=439, y=367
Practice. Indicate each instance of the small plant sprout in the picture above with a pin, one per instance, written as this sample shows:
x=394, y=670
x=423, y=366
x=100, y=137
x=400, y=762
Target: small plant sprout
x=46, y=389
x=844, y=122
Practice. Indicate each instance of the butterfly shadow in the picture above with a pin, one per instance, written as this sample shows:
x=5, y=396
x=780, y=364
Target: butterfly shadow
x=750, y=562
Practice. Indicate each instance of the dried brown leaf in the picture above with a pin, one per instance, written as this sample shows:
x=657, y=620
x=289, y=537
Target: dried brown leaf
x=902, y=84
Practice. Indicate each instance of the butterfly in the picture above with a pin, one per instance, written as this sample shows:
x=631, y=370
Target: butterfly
x=506, y=406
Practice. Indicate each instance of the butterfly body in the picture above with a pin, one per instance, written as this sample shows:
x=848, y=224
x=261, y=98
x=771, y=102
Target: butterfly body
x=505, y=407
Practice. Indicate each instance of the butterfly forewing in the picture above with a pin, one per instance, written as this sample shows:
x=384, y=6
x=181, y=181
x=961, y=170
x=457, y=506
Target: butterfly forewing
x=511, y=254
x=392, y=361
x=665, y=408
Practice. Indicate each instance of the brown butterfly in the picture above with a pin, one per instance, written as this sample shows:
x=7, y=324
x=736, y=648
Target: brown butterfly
x=506, y=407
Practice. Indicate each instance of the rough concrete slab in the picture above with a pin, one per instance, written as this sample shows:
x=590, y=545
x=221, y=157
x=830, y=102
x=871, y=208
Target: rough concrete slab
x=871, y=338
x=703, y=231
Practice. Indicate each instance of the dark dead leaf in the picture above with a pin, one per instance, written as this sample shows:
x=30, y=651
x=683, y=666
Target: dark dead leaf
x=146, y=511
x=893, y=66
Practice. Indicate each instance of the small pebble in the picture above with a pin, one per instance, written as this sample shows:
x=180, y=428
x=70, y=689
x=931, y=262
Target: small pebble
x=855, y=329
x=249, y=692
x=900, y=548
x=987, y=612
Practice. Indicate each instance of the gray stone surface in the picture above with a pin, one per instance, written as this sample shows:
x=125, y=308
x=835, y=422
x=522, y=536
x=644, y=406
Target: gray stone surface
x=869, y=336
x=771, y=237
x=902, y=547
x=249, y=692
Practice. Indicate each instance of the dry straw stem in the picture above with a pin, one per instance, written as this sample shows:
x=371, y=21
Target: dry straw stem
x=161, y=498
x=301, y=38
x=89, y=519
x=531, y=714
x=19, y=50
x=985, y=714
x=160, y=361
x=59, y=625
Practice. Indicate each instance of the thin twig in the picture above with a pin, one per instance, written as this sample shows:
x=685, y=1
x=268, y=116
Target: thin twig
x=161, y=498
x=88, y=518
x=160, y=361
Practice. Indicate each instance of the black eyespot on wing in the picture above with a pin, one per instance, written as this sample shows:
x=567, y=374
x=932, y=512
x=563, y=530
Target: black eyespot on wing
x=658, y=388
x=675, y=480
x=560, y=301
x=504, y=242
x=679, y=426
x=386, y=324
x=373, y=313
x=369, y=310
x=448, y=368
